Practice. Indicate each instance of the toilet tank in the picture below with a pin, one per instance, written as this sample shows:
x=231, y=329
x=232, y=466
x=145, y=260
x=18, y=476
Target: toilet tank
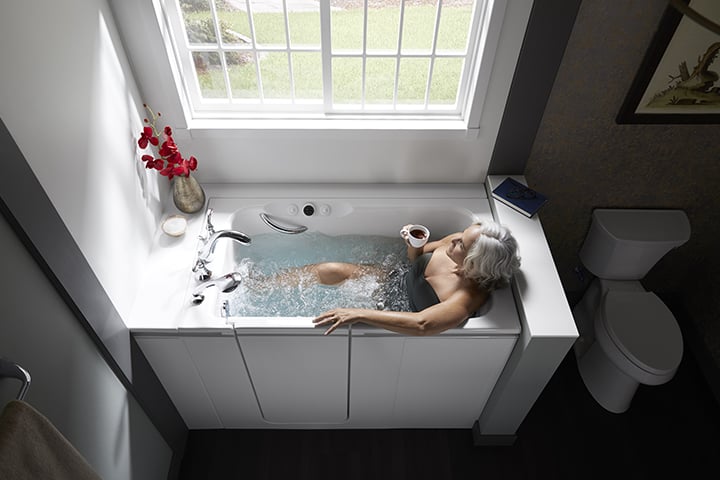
x=626, y=244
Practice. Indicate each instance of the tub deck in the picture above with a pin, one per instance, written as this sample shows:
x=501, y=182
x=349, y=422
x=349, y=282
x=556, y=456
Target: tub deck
x=376, y=210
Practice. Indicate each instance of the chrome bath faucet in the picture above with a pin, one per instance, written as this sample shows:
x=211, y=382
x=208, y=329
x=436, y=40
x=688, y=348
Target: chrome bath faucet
x=207, y=250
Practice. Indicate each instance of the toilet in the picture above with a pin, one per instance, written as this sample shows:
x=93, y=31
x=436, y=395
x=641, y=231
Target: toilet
x=627, y=334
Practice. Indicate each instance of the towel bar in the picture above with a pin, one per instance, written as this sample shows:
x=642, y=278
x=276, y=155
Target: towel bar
x=13, y=370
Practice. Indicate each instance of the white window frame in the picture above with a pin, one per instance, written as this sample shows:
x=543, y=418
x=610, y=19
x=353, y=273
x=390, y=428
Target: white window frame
x=480, y=51
x=208, y=108
x=145, y=33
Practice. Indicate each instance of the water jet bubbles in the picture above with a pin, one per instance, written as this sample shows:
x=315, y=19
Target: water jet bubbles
x=263, y=293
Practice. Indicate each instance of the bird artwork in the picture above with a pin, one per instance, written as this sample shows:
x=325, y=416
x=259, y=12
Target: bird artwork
x=697, y=88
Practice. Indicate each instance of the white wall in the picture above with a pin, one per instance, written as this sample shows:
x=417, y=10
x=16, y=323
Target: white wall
x=71, y=383
x=69, y=100
x=337, y=157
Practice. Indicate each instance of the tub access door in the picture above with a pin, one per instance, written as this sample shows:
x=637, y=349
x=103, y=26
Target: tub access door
x=299, y=377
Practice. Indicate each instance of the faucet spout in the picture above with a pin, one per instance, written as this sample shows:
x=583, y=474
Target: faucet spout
x=226, y=284
x=208, y=249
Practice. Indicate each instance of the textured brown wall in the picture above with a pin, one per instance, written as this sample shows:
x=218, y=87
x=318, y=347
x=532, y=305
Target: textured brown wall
x=583, y=160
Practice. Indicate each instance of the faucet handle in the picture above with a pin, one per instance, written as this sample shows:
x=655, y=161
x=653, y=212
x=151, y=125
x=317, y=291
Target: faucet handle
x=203, y=272
x=208, y=222
x=209, y=228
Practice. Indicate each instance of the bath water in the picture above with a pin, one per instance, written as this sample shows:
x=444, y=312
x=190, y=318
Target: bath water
x=274, y=285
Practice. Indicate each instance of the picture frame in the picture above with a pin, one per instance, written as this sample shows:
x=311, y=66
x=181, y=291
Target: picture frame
x=675, y=83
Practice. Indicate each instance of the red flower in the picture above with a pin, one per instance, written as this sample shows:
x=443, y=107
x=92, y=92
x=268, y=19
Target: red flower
x=184, y=167
x=170, y=162
x=167, y=172
x=150, y=162
x=147, y=136
x=180, y=171
x=169, y=151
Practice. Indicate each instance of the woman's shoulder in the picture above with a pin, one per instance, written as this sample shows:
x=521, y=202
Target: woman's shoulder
x=470, y=295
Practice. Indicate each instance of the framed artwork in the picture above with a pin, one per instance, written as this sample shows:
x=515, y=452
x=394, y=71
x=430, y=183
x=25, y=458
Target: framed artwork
x=678, y=81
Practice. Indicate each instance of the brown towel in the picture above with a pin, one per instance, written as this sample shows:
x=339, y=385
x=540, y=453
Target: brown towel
x=32, y=448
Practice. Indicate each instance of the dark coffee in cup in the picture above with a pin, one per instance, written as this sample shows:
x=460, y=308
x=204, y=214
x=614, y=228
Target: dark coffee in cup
x=417, y=233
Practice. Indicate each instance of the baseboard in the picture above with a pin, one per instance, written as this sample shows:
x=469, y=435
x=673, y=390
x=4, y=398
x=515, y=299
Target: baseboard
x=480, y=440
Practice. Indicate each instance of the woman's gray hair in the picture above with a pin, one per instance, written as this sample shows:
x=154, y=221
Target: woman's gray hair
x=493, y=258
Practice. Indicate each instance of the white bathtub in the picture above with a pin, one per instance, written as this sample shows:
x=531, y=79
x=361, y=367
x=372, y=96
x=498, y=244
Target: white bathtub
x=376, y=211
x=281, y=372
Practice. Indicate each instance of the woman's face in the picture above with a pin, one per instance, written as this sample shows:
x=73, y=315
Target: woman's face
x=462, y=242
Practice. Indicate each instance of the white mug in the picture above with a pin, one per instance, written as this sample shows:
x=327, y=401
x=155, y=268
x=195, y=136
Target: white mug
x=416, y=235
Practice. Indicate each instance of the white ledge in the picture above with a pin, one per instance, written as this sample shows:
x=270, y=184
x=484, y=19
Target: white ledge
x=548, y=328
x=231, y=128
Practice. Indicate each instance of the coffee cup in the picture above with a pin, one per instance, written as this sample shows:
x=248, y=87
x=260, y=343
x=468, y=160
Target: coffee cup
x=416, y=235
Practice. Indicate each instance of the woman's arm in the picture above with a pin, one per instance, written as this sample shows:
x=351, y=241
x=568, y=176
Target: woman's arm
x=414, y=252
x=435, y=319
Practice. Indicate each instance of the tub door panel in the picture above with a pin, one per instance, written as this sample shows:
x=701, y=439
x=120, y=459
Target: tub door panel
x=220, y=365
x=176, y=370
x=375, y=369
x=446, y=381
x=299, y=379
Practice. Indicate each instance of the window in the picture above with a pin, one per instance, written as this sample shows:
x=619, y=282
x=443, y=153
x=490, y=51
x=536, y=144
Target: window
x=391, y=58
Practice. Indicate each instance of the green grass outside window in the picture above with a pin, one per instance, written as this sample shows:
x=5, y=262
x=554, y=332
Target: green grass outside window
x=383, y=26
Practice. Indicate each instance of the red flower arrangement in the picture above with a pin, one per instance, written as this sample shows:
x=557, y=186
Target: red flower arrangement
x=169, y=161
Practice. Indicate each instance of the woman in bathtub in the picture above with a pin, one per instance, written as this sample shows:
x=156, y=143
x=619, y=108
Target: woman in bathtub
x=449, y=280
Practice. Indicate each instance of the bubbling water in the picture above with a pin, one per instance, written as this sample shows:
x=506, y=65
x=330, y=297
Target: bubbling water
x=276, y=285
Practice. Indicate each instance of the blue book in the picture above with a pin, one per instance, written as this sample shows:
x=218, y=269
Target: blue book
x=518, y=196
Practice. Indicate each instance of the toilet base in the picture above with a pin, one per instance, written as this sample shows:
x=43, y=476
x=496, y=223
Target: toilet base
x=610, y=377
x=607, y=384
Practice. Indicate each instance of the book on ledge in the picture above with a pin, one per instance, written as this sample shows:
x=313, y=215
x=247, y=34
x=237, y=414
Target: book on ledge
x=518, y=196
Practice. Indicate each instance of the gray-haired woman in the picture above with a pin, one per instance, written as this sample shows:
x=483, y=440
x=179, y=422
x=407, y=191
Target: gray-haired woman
x=449, y=281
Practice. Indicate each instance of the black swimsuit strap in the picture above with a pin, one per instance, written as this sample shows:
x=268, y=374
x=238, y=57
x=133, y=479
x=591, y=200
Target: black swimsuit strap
x=420, y=293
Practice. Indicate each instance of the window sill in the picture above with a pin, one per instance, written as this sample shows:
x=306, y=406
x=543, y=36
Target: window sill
x=380, y=128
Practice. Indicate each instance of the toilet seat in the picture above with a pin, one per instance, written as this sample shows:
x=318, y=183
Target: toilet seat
x=644, y=330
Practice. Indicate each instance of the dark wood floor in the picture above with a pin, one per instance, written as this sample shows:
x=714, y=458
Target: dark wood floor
x=671, y=431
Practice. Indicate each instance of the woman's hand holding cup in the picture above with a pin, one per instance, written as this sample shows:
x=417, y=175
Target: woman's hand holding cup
x=415, y=235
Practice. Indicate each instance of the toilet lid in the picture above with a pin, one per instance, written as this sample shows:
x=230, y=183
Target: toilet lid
x=644, y=330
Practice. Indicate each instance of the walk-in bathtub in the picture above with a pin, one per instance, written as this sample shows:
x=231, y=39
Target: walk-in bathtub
x=282, y=372
x=245, y=371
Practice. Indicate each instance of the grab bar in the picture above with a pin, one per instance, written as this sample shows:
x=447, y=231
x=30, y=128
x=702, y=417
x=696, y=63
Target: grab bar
x=288, y=228
x=13, y=370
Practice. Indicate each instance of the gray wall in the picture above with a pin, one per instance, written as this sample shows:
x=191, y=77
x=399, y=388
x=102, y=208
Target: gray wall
x=71, y=383
x=74, y=185
x=582, y=159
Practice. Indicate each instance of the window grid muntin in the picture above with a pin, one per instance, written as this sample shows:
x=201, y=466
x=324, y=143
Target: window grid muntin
x=401, y=29
x=438, y=16
x=286, y=19
x=203, y=107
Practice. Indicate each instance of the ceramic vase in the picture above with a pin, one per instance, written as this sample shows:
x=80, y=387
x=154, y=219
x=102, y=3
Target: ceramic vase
x=188, y=194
